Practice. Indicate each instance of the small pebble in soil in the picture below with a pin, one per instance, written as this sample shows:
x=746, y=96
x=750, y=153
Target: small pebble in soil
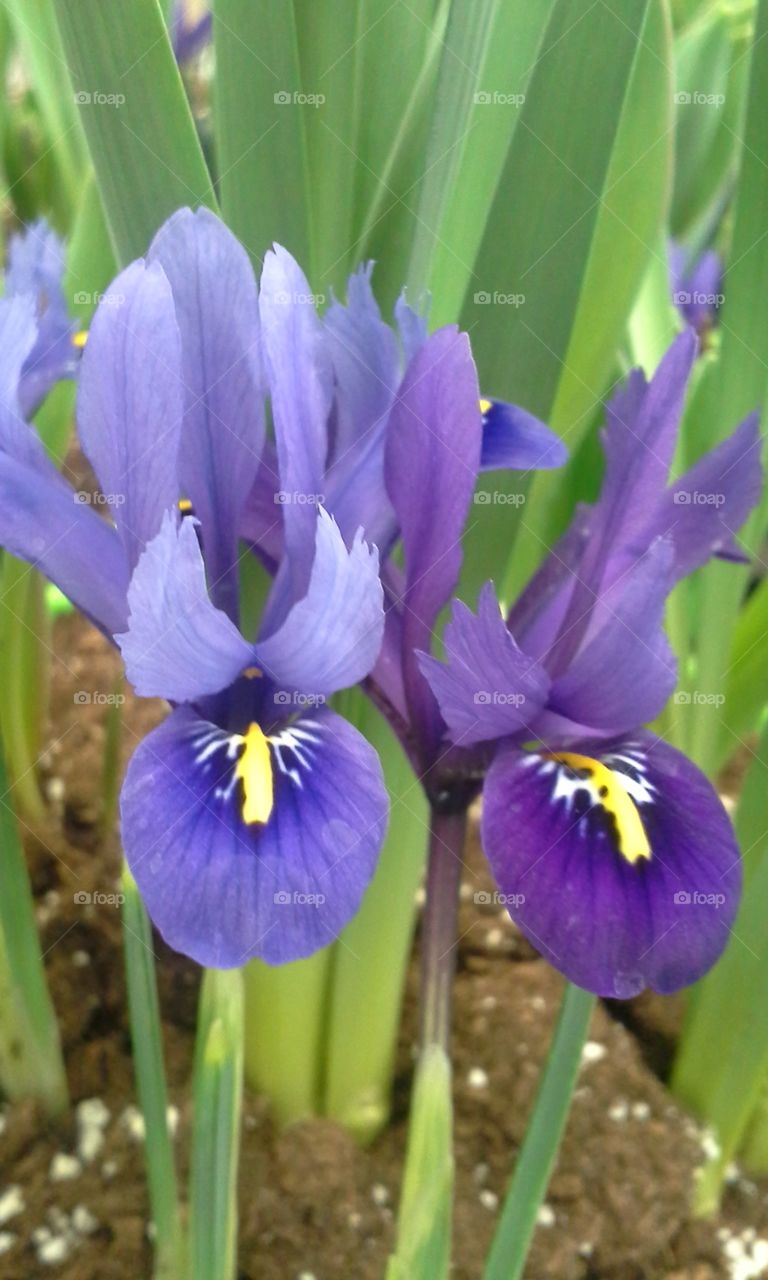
x=92, y=1120
x=80, y=959
x=618, y=1111
x=306, y=1275
x=480, y=1173
x=546, y=1216
x=11, y=1203
x=745, y=1258
x=64, y=1167
x=489, y=1200
x=379, y=1194
x=84, y=1221
x=56, y=790
x=355, y=1221
x=538, y=1003
x=7, y=1241
x=172, y=1120
x=488, y=1003
x=109, y=1169
x=477, y=1078
x=592, y=1052
x=3, y=1122
x=494, y=939
x=640, y=1110
x=133, y=1121
x=53, y=1251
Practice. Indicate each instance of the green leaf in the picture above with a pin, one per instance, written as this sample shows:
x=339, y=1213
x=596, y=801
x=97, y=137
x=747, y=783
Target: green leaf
x=736, y=386
x=424, y=1220
x=39, y=43
x=259, y=129
x=542, y=1139
x=137, y=121
x=576, y=219
x=31, y=1063
x=476, y=114
x=147, y=1046
x=722, y=1057
x=217, y=1096
x=710, y=63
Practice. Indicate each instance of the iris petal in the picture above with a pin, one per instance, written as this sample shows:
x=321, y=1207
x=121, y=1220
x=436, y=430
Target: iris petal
x=568, y=859
x=216, y=303
x=515, y=439
x=221, y=889
x=178, y=644
x=129, y=402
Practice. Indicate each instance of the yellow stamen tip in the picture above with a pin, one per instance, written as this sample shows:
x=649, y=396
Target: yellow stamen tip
x=254, y=769
x=79, y=339
x=485, y=405
x=185, y=506
x=253, y=673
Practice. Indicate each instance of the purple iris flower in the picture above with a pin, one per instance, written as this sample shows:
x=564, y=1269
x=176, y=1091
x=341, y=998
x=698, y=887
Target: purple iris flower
x=614, y=853
x=34, y=277
x=252, y=817
x=696, y=287
x=189, y=38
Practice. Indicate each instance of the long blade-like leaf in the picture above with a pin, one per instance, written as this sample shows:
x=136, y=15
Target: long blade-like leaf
x=140, y=132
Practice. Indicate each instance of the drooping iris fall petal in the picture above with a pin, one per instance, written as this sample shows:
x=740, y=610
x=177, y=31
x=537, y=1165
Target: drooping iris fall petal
x=617, y=861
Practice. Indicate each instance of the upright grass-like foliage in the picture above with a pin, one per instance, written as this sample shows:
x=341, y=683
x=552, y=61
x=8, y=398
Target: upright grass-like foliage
x=31, y=1063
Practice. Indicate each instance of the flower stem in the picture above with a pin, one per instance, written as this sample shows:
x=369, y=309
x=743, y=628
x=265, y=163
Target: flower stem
x=147, y=1043
x=371, y=957
x=542, y=1139
x=284, y=1017
x=438, y=943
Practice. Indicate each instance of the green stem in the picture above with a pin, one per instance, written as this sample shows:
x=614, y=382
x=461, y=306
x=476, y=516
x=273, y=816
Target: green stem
x=753, y=1154
x=218, y=1091
x=31, y=1063
x=438, y=940
x=22, y=698
x=146, y=1038
x=542, y=1139
x=284, y=1013
x=371, y=956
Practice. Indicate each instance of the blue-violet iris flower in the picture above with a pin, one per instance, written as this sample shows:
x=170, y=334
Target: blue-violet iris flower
x=253, y=816
x=613, y=852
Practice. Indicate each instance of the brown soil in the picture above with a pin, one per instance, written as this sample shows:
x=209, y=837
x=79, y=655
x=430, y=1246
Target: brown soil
x=312, y=1203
